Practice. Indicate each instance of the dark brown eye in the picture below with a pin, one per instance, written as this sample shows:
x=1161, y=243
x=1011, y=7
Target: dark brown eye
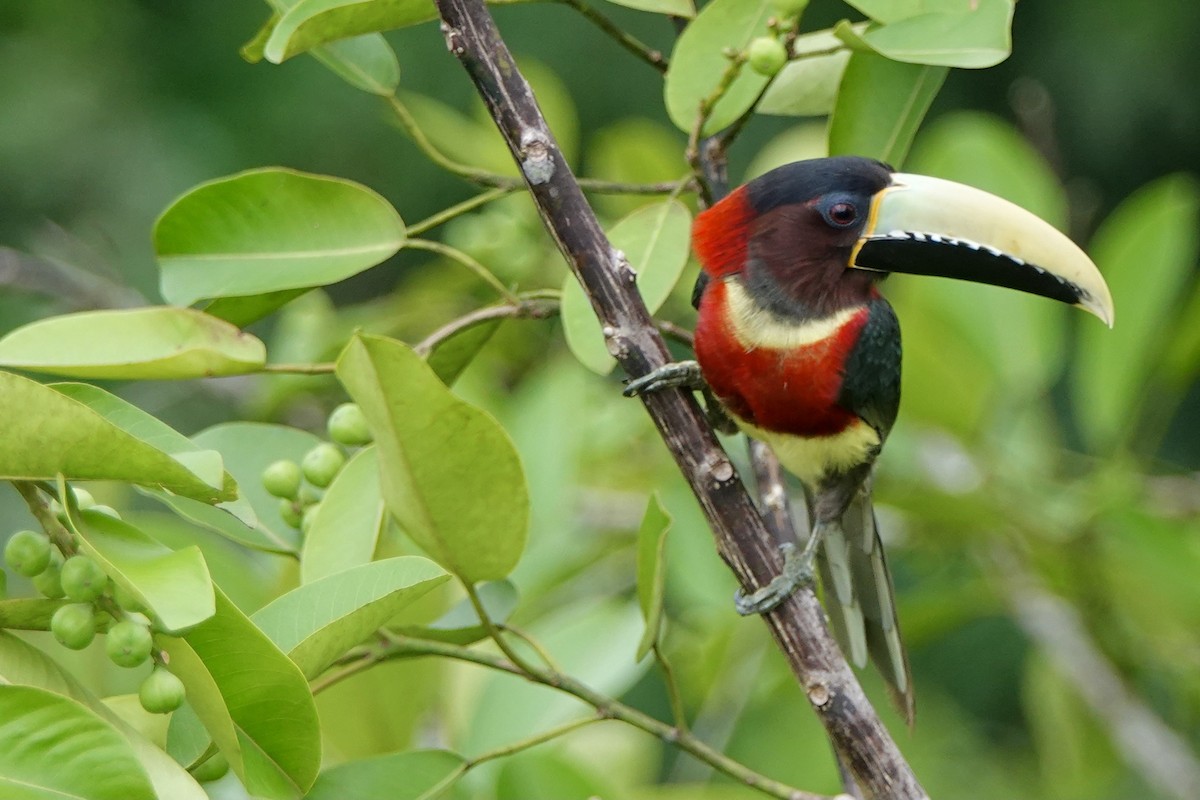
x=843, y=214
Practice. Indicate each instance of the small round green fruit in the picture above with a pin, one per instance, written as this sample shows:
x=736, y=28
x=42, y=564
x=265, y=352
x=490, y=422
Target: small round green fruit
x=210, y=769
x=82, y=579
x=282, y=478
x=766, y=55
x=310, y=514
x=28, y=552
x=107, y=511
x=322, y=464
x=74, y=625
x=83, y=498
x=128, y=643
x=49, y=580
x=161, y=692
x=347, y=425
x=289, y=513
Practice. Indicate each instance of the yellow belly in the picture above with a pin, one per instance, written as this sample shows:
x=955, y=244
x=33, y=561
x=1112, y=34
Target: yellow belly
x=812, y=459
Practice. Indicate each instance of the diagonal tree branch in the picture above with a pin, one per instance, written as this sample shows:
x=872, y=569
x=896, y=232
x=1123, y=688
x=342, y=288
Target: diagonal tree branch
x=798, y=625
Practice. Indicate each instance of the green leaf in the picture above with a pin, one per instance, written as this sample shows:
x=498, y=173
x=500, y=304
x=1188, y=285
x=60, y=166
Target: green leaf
x=173, y=584
x=319, y=621
x=807, y=86
x=449, y=472
x=452, y=355
x=698, y=63
x=1146, y=250
x=415, y=775
x=656, y=240
x=253, y=700
x=48, y=432
x=222, y=521
x=242, y=311
x=675, y=8
x=27, y=613
x=56, y=748
x=651, y=571
x=248, y=448
x=365, y=62
x=144, y=343
x=22, y=663
x=973, y=34
x=271, y=229
x=461, y=625
x=894, y=10
x=347, y=524
x=309, y=23
x=880, y=104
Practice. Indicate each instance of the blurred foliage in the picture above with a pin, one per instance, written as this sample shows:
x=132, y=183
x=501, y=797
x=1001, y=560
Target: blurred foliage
x=1026, y=430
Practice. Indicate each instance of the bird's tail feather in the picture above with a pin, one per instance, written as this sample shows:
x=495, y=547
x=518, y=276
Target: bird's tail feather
x=864, y=619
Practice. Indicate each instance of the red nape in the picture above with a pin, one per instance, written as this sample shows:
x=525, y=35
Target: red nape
x=720, y=234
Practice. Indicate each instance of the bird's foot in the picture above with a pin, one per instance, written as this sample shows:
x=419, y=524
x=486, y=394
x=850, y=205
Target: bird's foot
x=677, y=374
x=797, y=572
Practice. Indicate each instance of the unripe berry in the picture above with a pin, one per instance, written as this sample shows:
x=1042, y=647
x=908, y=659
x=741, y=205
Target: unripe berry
x=82, y=579
x=287, y=510
x=347, y=425
x=83, y=498
x=282, y=478
x=766, y=55
x=74, y=625
x=322, y=464
x=128, y=644
x=310, y=514
x=107, y=511
x=211, y=769
x=49, y=580
x=161, y=692
x=28, y=552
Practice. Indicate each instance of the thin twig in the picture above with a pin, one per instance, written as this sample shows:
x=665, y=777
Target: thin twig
x=470, y=204
x=529, y=307
x=454, y=254
x=651, y=56
x=318, y=368
x=605, y=706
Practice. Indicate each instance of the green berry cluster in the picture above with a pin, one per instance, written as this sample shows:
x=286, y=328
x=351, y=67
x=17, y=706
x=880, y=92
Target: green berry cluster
x=92, y=599
x=298, y=486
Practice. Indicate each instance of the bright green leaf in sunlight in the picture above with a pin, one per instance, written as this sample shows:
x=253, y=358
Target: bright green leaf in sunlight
x=1146, y=250
x=56, y=748
x=1023, y=337
x=651, y=571
x=137, y=344
x=453, y=354
x=319, y=621
x=675, y=8
x=48, y=432
x=698, y=63
x=450, y=474
x=347, y=523
x=173, y=584
x=461, y=624
x=309, y=23
x=22, y=663
x=807, y=85
x=270, y=229
x=971, y=34
x=879, y=105
x=253, y=700
x=655, y=240
x=415, y=775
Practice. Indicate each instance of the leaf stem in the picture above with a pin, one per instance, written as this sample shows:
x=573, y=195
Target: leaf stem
x=521, y=665
x=470, y=204
x=651, y=56
x=678, y=711
x=454, y=254
x=319, y=368
x=530, y=306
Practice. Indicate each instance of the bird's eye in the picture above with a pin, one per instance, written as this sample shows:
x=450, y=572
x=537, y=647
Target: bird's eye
x=843, y=214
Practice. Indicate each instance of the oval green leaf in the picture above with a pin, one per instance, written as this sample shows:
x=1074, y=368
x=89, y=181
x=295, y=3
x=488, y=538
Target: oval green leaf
x=173, y=584
x=808, y=84
x=309, y=23
x=651, y=571
x=1146, y=250
x=973, y=34
x=252, y=699
x=55, y=748
x=48, y=432
x=685, y=9
x=698, y=63
x=348, y=521
x=271, y=229
x=656, y=240
x=450, y=474
x=415, y=775
x=319, y=621
x=139, y=344
x=880, y=104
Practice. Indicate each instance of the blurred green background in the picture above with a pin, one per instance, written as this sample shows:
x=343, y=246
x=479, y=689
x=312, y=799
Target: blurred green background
x=1029, y=435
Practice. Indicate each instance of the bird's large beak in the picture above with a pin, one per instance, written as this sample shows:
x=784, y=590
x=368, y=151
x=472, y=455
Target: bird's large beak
x=929, y=226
